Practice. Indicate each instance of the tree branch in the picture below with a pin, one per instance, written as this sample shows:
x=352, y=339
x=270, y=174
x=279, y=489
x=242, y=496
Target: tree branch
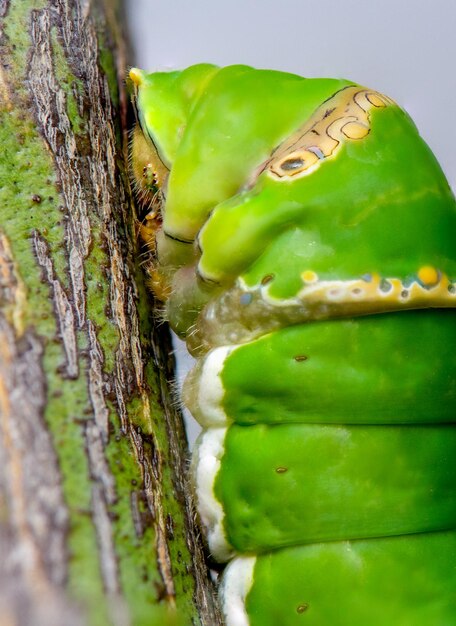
x=96, y=525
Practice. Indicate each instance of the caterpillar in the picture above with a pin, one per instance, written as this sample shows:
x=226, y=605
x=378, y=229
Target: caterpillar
x=302, y=239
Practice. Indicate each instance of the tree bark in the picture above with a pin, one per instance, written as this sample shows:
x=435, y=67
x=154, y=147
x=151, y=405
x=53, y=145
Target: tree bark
x=96, y=526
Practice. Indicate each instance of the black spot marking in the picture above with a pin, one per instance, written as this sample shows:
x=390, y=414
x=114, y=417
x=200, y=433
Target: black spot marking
x=267, y=279
x=404, y=293
x=292, y=164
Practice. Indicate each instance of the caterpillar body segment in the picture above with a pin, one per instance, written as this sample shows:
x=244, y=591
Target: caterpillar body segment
x=348, y=582
x=294, y=484
x=304, y=248
x=364, y=370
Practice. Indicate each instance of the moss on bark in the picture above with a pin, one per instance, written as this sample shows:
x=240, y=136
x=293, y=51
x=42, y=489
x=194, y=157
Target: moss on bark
x=92, y=494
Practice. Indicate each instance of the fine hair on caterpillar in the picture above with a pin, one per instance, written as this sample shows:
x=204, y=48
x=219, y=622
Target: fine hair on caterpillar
x=304, y=250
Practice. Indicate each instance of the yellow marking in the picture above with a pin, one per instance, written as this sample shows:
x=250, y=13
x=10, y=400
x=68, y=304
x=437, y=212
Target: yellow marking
x=428, y=275
x=344, y=116
x=309, y=276
x=137, y=76
x=355, y=130
x=383, y=294
x=375, y=99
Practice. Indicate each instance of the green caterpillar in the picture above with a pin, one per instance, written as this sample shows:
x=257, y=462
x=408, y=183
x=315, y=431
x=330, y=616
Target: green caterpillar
x=303, y=241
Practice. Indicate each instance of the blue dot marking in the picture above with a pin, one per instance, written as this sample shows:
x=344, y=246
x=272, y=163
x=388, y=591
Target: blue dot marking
x=246, y=298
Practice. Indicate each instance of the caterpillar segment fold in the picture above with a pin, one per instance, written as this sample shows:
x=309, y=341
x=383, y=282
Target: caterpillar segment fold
x=301, y=236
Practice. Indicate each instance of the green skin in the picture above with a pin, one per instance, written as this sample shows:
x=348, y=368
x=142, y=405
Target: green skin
x=406, y=360
x=348, y=216
x=334, y=482
x=350, y=421
x=357, y=583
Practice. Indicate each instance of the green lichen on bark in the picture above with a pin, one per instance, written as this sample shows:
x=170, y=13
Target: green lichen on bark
x=71, y=284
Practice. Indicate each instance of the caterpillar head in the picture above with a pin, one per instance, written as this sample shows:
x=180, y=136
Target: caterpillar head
x=162, y=103
x=319, y=185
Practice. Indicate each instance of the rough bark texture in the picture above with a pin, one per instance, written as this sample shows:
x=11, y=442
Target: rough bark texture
x=95, y=526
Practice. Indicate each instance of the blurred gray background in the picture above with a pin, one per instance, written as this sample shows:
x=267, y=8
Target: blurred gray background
x=404, y=48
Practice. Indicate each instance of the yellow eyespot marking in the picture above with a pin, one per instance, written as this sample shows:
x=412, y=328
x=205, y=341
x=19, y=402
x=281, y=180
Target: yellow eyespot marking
x=428, y=275
x=344, y=116
x=309, y=276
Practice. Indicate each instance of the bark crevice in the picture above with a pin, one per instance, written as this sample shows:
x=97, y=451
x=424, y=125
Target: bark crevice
x=85, y=412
